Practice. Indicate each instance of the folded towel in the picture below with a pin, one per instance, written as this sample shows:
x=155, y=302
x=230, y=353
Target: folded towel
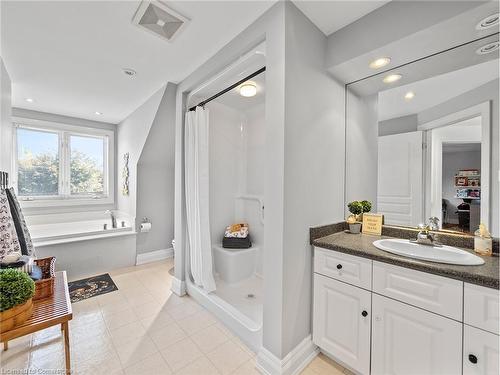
x=236, y=231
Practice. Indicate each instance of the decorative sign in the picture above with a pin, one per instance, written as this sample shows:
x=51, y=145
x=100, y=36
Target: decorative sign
x=372, y=223
x=125, y=174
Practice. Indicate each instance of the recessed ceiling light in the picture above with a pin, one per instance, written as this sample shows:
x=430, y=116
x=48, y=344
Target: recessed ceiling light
x=409, y=95
x=488, y=48
x=29, y=100
x=129, y=72
x=379, y=63
x=392, y=78
x=488, y=22
x=248, y=89
x=98, y=113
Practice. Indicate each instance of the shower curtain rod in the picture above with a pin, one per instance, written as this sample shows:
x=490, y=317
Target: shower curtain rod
x=202, y=103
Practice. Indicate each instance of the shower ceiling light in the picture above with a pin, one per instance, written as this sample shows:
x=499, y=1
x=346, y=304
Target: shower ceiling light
x=379, y=63
x=98, y=113
x=488, y=48
x=488, y=22
x=409, y=95
x=29, y=100
x=248, y=89
x=392, y=78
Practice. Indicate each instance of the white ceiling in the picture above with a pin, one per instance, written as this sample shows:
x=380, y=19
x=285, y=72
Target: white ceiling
x=333, y=15
x=68, y=55
x=432, y=91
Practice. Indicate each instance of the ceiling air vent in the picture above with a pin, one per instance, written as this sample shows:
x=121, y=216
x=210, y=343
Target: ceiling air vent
x=157, y=18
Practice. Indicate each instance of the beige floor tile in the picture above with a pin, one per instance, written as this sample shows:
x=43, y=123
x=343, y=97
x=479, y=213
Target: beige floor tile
x=120, y=319
x=135, y=351
x=209, y=339
x=90, y=317
x=152, y=365
x=127, y=333
x=84, y=306
x=308, y=371
x=17, y=356
x=167, y=335
x=102, y=363
x=228, y=357
x=147, y=309
x=85, y=350
x=184, y=310
x=202, y=366
x=46, y=335
x=156, y=322
x=197, y=322
x=55, y=362
x=87, y=332
x=115, y=297
x=54, y=348
x=173, y=300
x=248, y=368
x=322, y=365
x=242, y=345
x=181, y=354
x=113, y=308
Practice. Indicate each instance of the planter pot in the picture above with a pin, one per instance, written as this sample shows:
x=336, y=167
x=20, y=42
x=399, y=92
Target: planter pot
x=355, y=228
x=16, y=315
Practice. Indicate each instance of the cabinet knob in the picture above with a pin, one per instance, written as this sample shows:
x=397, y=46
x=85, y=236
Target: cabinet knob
x=364, y=313
x=472, y=358
x=339, y=266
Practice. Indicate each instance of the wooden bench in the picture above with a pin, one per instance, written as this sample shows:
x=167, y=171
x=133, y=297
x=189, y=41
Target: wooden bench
x=47, y=312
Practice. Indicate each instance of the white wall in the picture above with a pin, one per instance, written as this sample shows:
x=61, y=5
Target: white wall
x=362, y=149
x=155, y=177
x=398, y=125
x=313, y=166
x=5, y=120
x=132, y=134
x=452, y=163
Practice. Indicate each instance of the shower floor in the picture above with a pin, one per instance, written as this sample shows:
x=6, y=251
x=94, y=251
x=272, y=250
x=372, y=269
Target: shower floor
x=245, y=296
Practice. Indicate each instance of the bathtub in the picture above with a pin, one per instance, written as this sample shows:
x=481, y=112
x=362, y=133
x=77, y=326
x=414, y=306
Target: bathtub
x=82, y=247
x=234, y=265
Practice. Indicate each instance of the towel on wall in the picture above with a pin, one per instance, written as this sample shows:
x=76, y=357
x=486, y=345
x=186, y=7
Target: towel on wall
x=8, y=236
x=22, y=231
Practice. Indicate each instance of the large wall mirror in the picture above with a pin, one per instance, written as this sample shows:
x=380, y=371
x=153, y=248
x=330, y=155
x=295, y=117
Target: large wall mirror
x=422, y=139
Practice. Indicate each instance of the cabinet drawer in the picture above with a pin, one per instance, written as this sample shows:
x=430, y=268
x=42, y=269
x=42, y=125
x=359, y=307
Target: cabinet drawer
x=350, y=269
x=480, y=352
x=481, y=307
x=430, y=292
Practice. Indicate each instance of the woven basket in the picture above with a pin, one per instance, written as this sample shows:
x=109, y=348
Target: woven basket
x=15, y=316
x=45, y=286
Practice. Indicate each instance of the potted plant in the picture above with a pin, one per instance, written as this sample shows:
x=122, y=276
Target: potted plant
x=356, y=209
x=367, y=207
x=16, y=292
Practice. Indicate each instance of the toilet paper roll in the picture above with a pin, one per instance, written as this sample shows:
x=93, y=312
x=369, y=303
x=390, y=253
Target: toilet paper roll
x=145, y=227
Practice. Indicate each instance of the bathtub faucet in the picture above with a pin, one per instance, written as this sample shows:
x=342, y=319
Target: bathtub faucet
x=113, y=218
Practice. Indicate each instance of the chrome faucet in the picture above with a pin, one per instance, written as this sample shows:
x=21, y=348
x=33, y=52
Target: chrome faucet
x=425, y=236
x=113, y=218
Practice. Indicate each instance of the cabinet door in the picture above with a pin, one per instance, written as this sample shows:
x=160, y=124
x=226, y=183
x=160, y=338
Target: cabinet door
x=341, y=323
x=407, y=340
x=480, y=352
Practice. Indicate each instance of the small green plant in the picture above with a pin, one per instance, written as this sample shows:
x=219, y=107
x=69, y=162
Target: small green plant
x=367, y=206
x=16, y=287
x=355, y=208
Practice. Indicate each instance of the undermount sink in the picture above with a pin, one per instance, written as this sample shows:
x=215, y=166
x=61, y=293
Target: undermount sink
x=438, y=254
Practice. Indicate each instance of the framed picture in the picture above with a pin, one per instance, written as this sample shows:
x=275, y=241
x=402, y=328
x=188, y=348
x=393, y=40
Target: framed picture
x=461, y=181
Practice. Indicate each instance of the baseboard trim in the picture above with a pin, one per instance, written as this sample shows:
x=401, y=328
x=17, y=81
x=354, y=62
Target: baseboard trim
x=178, y=287
x=293, y=363
x=153, y=256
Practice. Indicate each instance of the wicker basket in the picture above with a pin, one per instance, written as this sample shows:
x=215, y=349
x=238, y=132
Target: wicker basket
x=15, y=316
x=45, y=286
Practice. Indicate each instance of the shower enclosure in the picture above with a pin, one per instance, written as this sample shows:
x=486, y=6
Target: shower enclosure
x=236, y=191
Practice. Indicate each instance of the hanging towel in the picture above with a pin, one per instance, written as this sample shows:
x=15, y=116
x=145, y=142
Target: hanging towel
x=8, y=236
x=23, y=234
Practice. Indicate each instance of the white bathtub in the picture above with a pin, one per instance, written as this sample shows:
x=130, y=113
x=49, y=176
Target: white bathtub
x=43, y=234
x=234, y=265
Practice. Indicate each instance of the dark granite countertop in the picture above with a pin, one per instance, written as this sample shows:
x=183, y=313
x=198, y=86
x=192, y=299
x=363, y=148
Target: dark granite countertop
x=362, y=245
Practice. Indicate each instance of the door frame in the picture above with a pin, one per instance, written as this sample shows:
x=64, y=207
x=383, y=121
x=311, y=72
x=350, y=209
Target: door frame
x=482, y=110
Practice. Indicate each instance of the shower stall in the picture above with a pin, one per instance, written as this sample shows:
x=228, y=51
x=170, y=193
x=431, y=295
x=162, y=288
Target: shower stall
x=236, y=149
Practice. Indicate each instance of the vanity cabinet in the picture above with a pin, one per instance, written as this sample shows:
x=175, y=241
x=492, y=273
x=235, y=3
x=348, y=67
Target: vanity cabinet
x=377, y=318
x=342, y=321
x=408, y=340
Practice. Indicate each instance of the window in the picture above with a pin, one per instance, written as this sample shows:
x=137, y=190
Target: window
x=60, y=163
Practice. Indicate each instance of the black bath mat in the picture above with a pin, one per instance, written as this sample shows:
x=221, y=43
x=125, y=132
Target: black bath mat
x=91, y=287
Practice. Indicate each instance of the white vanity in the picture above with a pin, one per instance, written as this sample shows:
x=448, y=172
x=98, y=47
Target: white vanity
x=378, y=318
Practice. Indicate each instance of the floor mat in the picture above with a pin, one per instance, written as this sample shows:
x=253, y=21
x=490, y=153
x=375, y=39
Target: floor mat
x=91, y=287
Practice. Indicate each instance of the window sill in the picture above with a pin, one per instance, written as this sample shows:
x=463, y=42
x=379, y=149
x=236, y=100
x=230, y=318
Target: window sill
x=54, y=203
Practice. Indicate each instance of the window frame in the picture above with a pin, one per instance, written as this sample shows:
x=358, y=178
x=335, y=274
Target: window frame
x=64, y=132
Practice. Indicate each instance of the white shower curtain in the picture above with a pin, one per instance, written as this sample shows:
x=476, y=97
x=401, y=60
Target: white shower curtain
x=196, y=171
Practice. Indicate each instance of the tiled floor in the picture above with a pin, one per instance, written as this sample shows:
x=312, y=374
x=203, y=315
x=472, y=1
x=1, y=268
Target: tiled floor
x=142, y=329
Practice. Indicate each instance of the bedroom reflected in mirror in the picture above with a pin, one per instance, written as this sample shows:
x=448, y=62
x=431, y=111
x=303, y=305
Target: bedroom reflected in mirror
x=424, y=140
